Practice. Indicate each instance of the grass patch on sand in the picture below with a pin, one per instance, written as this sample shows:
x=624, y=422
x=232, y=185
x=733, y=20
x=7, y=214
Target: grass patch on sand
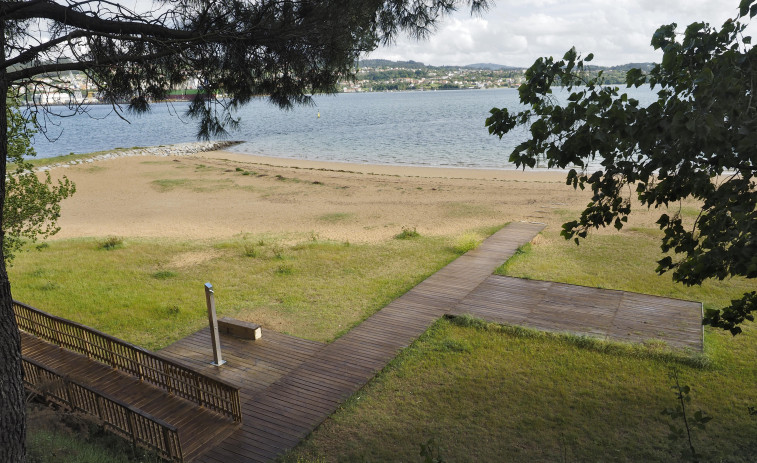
x=487, y=392
x=407, y=233
x=294, y=284
x=461, y=210
x=336, y=217
x=196, y=185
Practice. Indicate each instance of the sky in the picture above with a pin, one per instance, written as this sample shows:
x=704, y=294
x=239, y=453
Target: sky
x=517, y=32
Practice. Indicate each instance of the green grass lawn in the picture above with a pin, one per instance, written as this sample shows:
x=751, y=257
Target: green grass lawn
x=150, y=292
x=482, y=392
x=492, y=393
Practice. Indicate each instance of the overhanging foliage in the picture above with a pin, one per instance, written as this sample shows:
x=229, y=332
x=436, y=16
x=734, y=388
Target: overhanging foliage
x=697, y=140
x=32, y=204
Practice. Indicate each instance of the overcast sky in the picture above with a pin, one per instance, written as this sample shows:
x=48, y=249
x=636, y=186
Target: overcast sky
x=516, y=32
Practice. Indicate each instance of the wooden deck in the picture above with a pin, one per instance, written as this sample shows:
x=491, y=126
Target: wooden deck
x=607, y=314
x=280, y=408
x=198, y=427
x=252, y=366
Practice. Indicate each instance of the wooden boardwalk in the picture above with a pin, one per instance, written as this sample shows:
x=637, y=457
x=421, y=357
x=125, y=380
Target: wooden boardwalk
x=280, y=408
x=198, y=427
x=288, y=386
x=613, y=315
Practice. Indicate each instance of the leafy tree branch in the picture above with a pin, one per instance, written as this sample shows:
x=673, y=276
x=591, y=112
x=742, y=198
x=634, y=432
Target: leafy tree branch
x=32, y=205
x=697, y=140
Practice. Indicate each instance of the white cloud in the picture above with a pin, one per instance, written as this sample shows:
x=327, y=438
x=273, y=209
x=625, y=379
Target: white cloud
x=516, y=32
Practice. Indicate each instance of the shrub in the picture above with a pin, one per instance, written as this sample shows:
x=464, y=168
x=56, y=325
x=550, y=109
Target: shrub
x=110, y=243
x=284, y=270
x=407, y=233
x=278, y=251
x=250, y=251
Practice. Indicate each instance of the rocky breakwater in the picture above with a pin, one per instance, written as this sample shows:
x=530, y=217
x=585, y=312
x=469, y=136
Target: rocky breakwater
x=178, y=149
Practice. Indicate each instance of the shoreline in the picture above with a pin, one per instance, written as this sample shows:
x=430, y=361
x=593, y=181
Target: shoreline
x=175, y=149
x=385, y=169
x=195, y=148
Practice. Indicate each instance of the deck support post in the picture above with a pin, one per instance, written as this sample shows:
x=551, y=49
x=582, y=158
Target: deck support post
x=213, y=322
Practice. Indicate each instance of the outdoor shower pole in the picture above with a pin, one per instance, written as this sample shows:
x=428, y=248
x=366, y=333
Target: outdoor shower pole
x=213, y=321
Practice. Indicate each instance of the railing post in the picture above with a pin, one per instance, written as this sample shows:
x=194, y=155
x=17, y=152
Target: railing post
x=87, y=343
x=111, y=354
x=55, y=333
x=167, y=378
x=168, y=443
x=213, y=321
x=99, y=407
x=132, y=425
x=198, y=390
x=140, y=370
x=67, y=387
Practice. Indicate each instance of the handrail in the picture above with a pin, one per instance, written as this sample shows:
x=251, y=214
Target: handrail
x=141, y=428
x=166, y=374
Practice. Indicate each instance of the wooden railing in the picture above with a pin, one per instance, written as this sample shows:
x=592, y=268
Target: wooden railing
x=135, y=425
x=170, y=376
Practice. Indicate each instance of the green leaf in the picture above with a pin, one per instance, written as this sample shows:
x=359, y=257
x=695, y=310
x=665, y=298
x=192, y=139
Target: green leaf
x=705, y=77
x=668, y=59
x=570, y=55
x=744, y=7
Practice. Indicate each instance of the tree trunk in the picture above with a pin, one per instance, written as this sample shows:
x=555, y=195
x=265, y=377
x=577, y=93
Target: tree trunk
x=12, y=404
x=12, y=417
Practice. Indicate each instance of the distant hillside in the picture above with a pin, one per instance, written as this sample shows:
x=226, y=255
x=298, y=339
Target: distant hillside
x=490, y=67
x=646, y=67
x=377, y=63
x=385, y=63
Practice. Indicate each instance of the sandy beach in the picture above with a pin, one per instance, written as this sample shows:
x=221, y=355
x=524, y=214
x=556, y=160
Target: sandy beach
x=220, y=194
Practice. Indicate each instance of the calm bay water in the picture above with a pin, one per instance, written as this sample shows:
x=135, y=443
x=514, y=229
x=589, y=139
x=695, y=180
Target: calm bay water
x=443, y=128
